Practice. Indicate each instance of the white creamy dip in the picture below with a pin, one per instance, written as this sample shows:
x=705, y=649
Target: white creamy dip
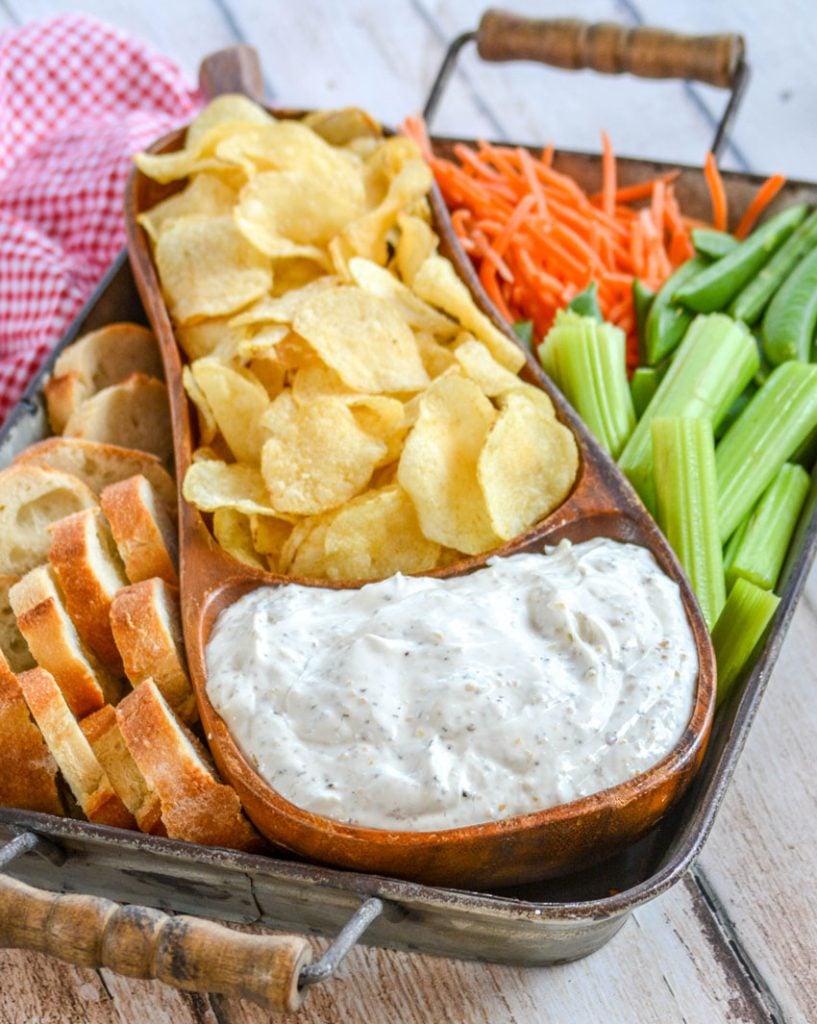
x=416, y=703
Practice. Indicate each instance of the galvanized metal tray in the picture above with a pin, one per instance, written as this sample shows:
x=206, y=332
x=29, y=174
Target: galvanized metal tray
x=540, y=923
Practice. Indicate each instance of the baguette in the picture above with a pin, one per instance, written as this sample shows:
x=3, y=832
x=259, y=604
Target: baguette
x=144, y=533
x=101, y=729
x=53, y=640
x=28, y=772
x=32, y=498
x=134, y=413
x=99, y=465
x=13, y=646
x=146, y=626
x=95, y=361
x=195, y=805
x=89, y=570
x=71, y=750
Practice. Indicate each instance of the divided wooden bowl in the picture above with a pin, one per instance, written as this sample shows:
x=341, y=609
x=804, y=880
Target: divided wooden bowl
x=525, y=848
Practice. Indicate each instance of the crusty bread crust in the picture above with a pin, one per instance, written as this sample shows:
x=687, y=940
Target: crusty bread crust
x=28, y=772
x=143, y=531
x=72, y=751
x=147, y=628
x=195, y=805
x=33, y=498
x=101, y=729
x=134, y=413
x=99, y=465
x=55, y=644
x=13, y=646
x=89, y=570
x=62, y=395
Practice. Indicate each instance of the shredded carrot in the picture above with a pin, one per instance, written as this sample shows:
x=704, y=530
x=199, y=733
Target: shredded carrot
x=717, y=193
x=765, y=194
x=608, y=176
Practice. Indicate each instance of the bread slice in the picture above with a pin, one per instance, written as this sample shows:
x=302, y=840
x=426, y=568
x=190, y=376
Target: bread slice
x=144, y=532
x=147, y=628
x=72, y=751
x=134, y=413
x=195, y=805
x=95, y=361
x=101, y=729
x=53, y=640
x=28, y=772
x=13, y=646
x=99, y=465
x=30, y=499
x=84, y=557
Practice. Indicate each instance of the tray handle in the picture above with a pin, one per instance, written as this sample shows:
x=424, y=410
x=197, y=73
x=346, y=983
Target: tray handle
x=609, y=48
x=233, y=69
x=184, y=952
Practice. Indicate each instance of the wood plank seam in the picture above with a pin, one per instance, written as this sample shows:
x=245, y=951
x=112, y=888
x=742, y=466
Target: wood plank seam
x=233, y=23
x=730, y=951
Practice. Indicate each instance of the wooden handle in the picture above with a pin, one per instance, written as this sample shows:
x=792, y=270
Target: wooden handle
x=609, y=48
x=184, y=952
x=234, y=69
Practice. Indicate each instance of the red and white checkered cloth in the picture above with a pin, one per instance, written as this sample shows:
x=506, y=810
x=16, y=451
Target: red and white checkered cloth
x=77, y=99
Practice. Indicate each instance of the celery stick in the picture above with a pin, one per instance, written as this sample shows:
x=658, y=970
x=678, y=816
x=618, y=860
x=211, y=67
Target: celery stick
x=587, y=361
x=643, y=385
x=713, y=364
x=742, y=622
x=732, y=547
x=687, y=493
x=769, y=430
x=761, y=552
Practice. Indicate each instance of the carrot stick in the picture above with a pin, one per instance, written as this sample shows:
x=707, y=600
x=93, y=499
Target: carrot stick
x=765, y=194
x=608, y=176
x=717, y=193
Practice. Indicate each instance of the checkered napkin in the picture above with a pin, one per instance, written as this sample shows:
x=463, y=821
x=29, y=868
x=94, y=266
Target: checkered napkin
x=77, y=99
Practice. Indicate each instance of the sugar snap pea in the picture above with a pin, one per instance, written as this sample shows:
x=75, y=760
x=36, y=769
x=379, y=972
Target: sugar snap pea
x=754, y=298
x=788, y=326
x=715, y=286
x=713, y=244
x=586, y=303
x=667, y=323
x=642, y=303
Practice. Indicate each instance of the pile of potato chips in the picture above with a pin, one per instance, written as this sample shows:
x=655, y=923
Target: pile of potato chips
x=358, y=415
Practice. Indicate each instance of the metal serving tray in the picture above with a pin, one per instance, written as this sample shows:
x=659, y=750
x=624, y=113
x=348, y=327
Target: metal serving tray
x=536, y=924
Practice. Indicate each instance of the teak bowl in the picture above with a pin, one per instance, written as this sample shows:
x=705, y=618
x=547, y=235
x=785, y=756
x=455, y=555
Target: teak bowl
x=520, y=849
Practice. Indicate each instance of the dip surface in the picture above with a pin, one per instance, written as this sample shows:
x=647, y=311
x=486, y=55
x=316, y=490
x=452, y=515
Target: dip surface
x=416, y=703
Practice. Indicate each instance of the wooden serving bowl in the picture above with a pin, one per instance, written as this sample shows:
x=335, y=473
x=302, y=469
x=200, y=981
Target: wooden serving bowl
x=515, y=850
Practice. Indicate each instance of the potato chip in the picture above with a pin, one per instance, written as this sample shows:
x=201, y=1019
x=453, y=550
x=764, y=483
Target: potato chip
x=385, y=163
x=438, y=467
x=289, y=274
x=206, y=196
x=282, y=309
x=418, y=314
x=198, y=155
x=210, y=484
x=269, y=534
x=208, y=428
x=436, y=357
x=310, y=558
x=317, y=380
x=316, y=457
x=270, y=374
x=527, y=466
x=436, y=281
x=209, y=336
x=232, y=530
x=207, y=268
x=375, y=536
x=340, y=127
x=478, y=364
x=416, y=243
x=260, y=345
x=381, y=418
x=364, y=339
x=232, y=108
x=238, y=402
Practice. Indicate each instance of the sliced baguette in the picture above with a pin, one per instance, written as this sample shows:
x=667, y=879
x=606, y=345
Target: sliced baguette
x=84, y=557
x=134, y=413
x=102, y=731
x=28, y=772
x=147, y=628
x=13, y=646
x=31, y=498
x=53, y=640
x=195, y=805
x=144, y=533
x=71, y=750
x=95, y=361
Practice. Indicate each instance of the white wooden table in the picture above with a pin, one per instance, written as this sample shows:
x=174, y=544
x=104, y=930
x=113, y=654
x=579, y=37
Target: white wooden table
x=737, y=940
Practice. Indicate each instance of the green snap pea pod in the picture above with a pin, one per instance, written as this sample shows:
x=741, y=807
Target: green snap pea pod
x=667, y=323
x=735, y=410
x=713, y=244
x=788, y=326
x=716, y=285
x=586, y=303
x=757, y=294
x=643, y=385
x=523, y=329
x=642, y=301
